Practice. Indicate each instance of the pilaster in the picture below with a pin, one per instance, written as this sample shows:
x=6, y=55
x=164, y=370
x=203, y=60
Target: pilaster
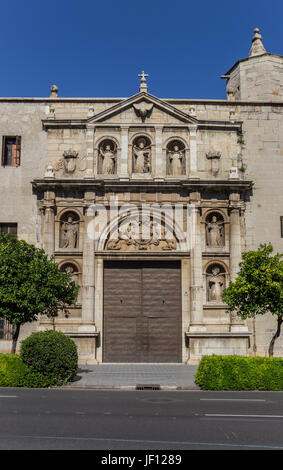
x=49, y=223
x=89, y=173
x=235, y=253
x=88, y=278
x=196, y=323
x=160, y=171
x=193, y=151
x=124, y=170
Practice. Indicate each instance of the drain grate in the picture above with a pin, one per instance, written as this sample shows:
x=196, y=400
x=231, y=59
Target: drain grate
x=147, y=387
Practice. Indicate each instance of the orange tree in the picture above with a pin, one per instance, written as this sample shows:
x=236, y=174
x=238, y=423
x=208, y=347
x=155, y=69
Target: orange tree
x=31, y=284
x=258, y=288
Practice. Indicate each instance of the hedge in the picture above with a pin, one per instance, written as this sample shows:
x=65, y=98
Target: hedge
x=240, y=373
x=52, y=354
x=14, y=373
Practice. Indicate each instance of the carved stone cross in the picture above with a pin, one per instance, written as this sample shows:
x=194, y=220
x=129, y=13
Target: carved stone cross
x=143, y=85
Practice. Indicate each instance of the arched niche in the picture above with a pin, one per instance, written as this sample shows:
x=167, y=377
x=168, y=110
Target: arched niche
x=141, y=154
x=214, y=229
x=72, y=268
x=176, y=157
x=216, y=277
x=69, y=230
x=107, y=156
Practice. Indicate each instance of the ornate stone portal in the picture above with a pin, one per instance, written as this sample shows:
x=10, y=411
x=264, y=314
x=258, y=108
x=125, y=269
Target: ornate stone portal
x=163, y=161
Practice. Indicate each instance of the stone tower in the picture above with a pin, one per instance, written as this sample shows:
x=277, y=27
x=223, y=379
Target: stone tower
x=259, y=77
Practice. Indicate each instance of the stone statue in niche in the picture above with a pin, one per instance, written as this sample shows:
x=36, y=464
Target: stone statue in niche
x=216, y=284
x=107, y=154
x=141, y=156
x=70, y=232
x=214, y=232
x=176, y=157
x=72, y=270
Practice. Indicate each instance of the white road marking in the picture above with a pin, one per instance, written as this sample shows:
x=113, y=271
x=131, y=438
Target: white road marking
x=230, y=399
x=8, y=396
x=243, y=416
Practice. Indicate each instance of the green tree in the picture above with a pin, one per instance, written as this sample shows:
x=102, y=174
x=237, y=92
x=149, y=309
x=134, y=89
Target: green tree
x=258, y=288
x=31, y=284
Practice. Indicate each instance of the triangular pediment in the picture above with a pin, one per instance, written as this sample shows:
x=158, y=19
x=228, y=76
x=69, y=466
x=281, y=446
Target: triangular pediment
x=143, y=107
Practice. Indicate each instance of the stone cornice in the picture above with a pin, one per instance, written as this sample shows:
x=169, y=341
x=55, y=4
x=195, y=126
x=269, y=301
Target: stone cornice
x=132, y=185
x=84, y=123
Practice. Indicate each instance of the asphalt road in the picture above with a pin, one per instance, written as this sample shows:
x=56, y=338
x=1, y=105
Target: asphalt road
x=49, y=419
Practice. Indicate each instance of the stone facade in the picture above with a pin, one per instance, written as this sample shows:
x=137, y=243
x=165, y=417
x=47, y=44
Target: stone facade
x=218, y=161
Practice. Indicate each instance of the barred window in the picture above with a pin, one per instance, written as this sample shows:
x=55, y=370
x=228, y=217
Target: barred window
x=6, y=329
x=11, y=150
x=8, y=228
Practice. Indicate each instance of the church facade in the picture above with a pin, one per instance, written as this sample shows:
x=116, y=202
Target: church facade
x=149, y=204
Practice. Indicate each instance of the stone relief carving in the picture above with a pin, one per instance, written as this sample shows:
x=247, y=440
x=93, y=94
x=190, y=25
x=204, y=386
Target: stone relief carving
x=131, y=237
x=214, y=158
x=143, y=109
x=70, y=160
x=176, y=158
x=69, y=231
x=215, y=284
x=107, y=157
x=141, y=155
x=214, y=231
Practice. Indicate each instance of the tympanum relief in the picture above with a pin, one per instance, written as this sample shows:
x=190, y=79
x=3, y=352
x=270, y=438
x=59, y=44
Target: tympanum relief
x=146, y=235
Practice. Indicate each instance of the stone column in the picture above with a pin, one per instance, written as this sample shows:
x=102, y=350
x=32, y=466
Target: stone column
x=196, y=323
x=49, y=223
x=235, y=253
x=124, y=170
x=159, y=166
x=89, y=151
x=48, y=244
x=88, y=278
x=193, y=151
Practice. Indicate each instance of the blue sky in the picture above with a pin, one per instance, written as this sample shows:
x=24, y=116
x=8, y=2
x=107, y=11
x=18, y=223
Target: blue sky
x=92, y=48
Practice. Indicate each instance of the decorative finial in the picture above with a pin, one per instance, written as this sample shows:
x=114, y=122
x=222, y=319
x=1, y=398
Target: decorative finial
x=54, y=91
x=143, y=84
x=257, y=46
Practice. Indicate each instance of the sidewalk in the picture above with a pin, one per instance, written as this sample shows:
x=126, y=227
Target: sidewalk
x=167, y=376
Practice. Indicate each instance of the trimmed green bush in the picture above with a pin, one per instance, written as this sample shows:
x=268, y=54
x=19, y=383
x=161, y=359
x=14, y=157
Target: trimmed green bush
x=52, y=354
x=14, y=373
x=240, y=373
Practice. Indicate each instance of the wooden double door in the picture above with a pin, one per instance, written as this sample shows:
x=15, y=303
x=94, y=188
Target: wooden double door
x=142, y=311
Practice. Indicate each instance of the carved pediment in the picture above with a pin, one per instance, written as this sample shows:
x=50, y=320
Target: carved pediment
x=142, y=106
